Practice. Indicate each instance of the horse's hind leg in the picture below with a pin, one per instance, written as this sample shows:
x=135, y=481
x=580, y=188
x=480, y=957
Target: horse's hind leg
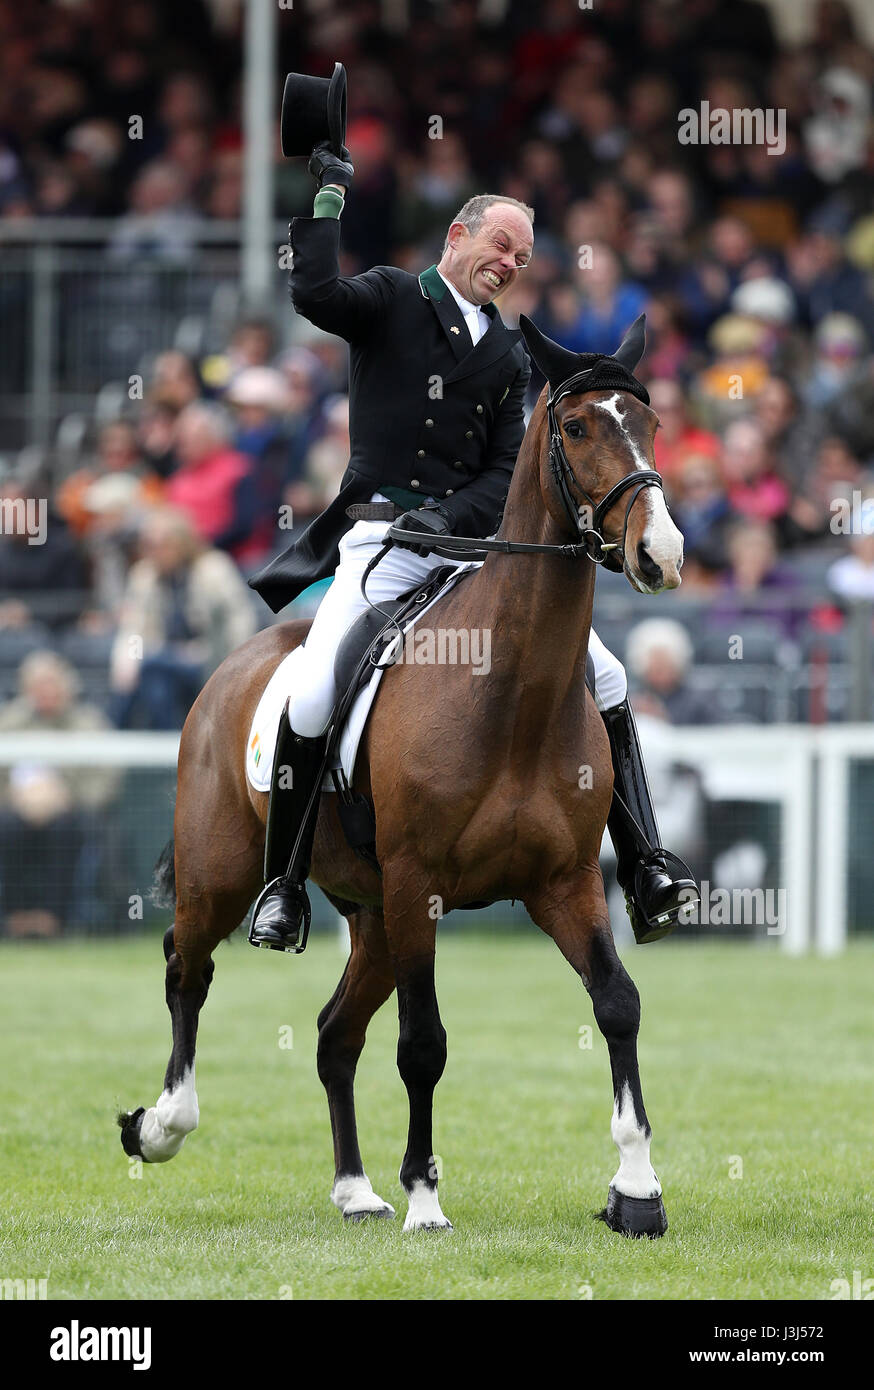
x=157, y=1134
x=421, y=1045
x=576, y=918
x=366, y=984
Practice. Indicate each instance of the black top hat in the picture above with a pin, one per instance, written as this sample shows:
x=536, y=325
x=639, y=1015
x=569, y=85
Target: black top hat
x=313, y=109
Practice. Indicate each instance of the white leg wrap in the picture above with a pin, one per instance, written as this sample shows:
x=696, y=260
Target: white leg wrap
x=424, y=1209
x=166, y=1124
x=352, y=1195
x=635, y=1177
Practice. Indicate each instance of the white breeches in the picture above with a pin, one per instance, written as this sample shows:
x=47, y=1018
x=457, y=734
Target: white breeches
x=310, y=706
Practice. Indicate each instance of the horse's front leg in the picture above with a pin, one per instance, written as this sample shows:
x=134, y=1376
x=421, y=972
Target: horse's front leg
x=412, y=936
x=634, y=1203
x=575, y=916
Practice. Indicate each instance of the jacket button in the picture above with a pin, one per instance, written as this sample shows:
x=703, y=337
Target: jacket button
x=429, y=423
x=479, y=410
x=420, y=454
x=468, y=434
x=414, y=482
x=449, y=492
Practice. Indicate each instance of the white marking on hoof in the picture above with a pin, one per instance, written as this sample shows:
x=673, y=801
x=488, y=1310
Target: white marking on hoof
x=355, y=1198
x=635, y=1176
x=424, y=1212
x=167, y=1123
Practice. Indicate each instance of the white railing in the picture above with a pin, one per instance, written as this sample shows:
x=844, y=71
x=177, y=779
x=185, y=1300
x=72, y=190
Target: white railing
x=806, y=771
x=803, y=770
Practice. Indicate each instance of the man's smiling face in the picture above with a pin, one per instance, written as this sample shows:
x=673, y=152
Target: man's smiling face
x=485, y=263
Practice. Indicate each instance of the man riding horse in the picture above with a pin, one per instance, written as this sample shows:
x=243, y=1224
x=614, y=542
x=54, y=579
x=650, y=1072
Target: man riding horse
x=436, y=397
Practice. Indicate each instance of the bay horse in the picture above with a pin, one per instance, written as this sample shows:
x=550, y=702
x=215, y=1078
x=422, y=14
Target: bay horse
x=475, y=780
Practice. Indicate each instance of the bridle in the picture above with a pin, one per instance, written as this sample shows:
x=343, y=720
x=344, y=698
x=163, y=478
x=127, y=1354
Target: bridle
x=593, y=543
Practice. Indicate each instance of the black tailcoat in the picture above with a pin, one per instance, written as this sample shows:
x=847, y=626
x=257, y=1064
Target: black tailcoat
x=429, y=413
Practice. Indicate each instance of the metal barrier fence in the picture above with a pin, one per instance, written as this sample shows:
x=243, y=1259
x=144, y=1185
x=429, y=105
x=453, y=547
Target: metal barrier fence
x=777, y=824
x=820, y=676
x=86, y=301
x=764, y=657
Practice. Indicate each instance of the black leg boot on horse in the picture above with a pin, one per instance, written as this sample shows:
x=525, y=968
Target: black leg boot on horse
x=281, y=916
x=659, y=888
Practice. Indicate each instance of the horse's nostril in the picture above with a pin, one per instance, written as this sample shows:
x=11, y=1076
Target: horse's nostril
x=650, y=571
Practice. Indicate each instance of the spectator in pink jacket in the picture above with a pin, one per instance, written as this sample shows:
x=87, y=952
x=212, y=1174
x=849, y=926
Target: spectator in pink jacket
x=755, y=490
x=214, y=483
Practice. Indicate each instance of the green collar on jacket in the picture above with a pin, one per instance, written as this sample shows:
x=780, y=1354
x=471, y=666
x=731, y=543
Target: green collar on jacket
x=434, y=287
x=432, y=283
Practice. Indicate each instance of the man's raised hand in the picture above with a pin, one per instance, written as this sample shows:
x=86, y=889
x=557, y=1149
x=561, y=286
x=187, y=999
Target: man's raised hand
x=327, y=167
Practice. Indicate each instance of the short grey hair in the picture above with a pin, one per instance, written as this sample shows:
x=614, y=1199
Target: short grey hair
x=657, y=634
x=213, y=415
x=45, y=660
x=472, y=214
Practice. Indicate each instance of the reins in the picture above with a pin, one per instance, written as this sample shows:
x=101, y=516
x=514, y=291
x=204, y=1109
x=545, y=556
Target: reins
x=591, y=543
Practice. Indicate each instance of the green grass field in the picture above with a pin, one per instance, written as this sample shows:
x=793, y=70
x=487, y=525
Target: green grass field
x=747, y=1058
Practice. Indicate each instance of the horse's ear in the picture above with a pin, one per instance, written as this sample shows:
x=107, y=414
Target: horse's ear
x=630, y=350
x=555, y=362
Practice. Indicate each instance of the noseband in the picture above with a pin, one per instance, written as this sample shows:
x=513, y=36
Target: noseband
x=593, y=542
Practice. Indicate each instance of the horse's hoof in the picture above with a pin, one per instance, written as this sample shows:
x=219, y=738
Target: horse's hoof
x=355, y=1199
x=635, y=1216
x=130, y=1123
x=383, y=1213
x=444, y=1225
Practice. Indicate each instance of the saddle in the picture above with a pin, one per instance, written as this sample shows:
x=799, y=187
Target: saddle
x=365, y=646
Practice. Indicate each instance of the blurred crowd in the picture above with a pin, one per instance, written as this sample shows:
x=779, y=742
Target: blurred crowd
x=755, y=269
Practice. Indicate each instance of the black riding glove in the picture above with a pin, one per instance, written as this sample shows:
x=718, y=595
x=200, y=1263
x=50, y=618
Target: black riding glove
x=428, y=519
x=327, y=167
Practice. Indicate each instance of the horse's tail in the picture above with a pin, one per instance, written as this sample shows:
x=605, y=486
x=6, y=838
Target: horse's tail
x=163, y=891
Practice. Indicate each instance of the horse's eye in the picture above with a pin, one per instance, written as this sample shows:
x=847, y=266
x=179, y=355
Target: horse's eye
x=574, y=430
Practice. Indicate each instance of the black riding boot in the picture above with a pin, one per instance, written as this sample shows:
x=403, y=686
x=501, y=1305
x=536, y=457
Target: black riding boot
x=281, y=916
x=659, y=887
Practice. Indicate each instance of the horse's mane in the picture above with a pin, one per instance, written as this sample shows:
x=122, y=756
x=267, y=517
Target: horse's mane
x=528, y=457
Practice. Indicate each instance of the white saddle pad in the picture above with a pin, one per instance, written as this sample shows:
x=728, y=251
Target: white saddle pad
x=261, y=743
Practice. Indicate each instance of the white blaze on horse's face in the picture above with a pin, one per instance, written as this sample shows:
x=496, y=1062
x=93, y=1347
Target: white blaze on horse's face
x=661, y=541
